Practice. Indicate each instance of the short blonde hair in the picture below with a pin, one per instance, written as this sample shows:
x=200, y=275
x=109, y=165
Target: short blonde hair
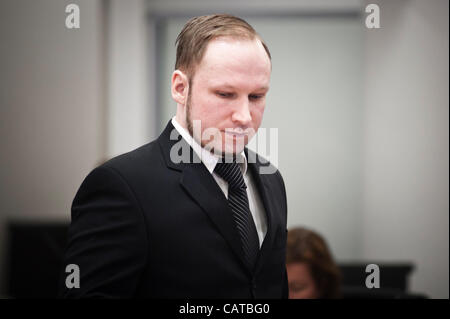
x=199, y=31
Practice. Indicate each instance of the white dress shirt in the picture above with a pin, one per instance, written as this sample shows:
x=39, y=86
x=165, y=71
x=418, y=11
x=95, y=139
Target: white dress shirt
x=210, y=160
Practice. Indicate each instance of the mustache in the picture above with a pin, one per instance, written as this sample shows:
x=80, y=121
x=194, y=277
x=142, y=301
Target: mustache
x=239, y=130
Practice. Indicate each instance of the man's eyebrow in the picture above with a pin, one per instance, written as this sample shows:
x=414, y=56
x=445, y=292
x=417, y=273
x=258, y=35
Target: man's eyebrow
x=229, y=86
x=263, y=88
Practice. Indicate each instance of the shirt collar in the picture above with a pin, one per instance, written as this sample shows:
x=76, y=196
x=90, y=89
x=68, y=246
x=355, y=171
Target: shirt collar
x=208, y=159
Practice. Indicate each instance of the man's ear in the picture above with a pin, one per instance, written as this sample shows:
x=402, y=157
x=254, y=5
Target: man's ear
x=180, y=87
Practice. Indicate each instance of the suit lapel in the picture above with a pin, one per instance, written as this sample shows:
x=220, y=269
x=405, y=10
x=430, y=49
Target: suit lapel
x=262, y=183
x=200, y=185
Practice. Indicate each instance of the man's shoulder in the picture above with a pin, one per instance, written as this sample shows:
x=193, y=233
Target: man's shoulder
x=136, y=162
x=134, y=170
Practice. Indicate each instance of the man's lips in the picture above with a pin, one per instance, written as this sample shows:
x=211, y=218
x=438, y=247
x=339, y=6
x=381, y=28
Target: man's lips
x=236, y=134
x=240, y=133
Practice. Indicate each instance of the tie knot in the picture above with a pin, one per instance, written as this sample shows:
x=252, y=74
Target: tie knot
x=231, y=173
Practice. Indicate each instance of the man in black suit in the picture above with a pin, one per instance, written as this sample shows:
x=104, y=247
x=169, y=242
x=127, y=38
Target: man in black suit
x=193, y=214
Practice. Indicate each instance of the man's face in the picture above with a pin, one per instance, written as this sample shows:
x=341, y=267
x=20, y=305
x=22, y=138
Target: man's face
x=301, y=282
x=228, y=94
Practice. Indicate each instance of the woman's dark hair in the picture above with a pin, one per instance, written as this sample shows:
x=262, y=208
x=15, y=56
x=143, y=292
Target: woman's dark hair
x=306, y=246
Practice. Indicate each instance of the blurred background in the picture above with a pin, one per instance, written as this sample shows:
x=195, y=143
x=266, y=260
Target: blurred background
x=362, y=117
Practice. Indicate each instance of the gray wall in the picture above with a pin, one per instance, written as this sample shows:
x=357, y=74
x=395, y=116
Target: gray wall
x=406, y=210
x=51, y=109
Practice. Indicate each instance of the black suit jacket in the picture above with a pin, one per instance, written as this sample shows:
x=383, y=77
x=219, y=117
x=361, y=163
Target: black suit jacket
x=144, y=226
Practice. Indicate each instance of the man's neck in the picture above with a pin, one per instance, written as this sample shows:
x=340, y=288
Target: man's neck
x=208, y=158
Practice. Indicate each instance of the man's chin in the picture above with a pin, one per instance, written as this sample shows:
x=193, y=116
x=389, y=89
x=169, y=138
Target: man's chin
x=228, y=151
x=231, y=152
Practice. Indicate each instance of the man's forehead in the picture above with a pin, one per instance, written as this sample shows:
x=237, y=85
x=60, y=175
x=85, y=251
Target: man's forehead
x=228, y=60
x=228, y=51
x=236, y=80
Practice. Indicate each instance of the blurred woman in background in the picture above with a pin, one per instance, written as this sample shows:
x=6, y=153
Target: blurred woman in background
x=312, y=272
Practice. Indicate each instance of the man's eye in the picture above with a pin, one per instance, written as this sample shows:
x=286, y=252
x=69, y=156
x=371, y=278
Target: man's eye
x=255, y=96
x=224, y=94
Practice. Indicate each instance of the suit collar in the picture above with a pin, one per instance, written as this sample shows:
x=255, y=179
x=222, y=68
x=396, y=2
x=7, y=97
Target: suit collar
x=170, y=141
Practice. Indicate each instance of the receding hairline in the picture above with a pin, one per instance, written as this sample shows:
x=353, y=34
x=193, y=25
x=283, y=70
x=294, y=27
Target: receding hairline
x=198, y=32
x=255, y=38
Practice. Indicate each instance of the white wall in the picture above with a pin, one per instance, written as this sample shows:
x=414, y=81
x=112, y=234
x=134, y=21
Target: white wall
x=129, y=115
x=406, y=142
x=315, y=102
x=183, y=7
x=51, y=108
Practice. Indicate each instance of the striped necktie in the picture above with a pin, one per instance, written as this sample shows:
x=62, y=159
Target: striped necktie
x=238, y=203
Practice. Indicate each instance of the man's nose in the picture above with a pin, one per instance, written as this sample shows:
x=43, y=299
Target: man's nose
x=241, y=114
